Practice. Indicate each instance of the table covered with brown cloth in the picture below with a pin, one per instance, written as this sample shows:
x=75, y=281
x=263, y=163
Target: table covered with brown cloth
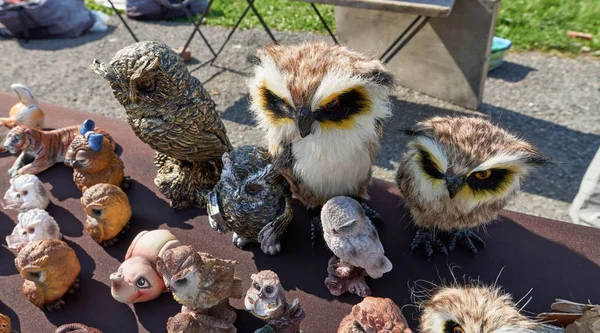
x=556, y=259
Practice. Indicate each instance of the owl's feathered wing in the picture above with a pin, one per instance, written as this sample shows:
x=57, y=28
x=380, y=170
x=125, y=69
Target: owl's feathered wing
x=218, y=282
x=365, y=251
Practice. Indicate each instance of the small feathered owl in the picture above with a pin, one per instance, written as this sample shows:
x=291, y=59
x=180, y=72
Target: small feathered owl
x=457, y=174
x=351, y=237
x=266, y=297
x=252, y=199
x=321, y=107
x=50, y=269
x=35, y=224
x=198, y=280
x=26, y=192
x=93, y=159
x=473, y=308
x=108, y=212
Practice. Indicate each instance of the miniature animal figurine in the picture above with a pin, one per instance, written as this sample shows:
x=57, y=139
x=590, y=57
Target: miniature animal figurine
x=50, y=269
x=25, y=192
x=575, y=317
x=35, y=224
x=169, y=110
x=251, y=199
x=94, y=160
x=137, y=279
x=76, y=328
x=5, y=324
x=375, y=314
x=39, y=149
x=108, y=213
x=457, y=174
x=352, y=238
x=203, y=284
x=25, y=112
x=266, y=300
x=322, y=108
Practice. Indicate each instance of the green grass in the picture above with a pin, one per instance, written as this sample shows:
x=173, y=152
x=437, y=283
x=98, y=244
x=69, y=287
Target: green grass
x=531, y=24
x=91, y=5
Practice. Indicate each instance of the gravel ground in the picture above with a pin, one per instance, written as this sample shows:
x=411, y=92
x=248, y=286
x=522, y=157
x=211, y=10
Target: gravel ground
x=553, y=102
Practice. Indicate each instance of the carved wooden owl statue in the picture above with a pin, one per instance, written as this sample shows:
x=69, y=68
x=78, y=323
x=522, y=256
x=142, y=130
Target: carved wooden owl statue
x=50, y=269
x=251, y=199
x=108, y=212
x=94, y=160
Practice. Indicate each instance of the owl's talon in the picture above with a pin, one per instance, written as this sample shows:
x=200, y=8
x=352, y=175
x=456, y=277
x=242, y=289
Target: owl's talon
x=267, y=237
x=429, y=240
x=126, y=184
x=374, y=216
x=466, y=237
x=239, y=241
x=316, y=231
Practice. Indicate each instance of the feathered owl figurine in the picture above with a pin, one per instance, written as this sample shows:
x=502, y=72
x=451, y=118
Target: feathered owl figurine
x=108, y=212
x=25, y=192
x=266, y=300
x=169, y=110
x=457, y=174
x=355, y=243
x=251, y=199
x=322, y=108
x=94, y=160
x=35, y=224
x=50, y=269
x=377, y=315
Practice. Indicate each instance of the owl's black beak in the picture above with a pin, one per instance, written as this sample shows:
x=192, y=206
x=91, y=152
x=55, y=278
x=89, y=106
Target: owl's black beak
x=305, y=119
x=453, y=184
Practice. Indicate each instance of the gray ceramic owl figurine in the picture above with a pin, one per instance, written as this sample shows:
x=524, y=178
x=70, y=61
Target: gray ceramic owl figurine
x=252, y=199
x=169, y=110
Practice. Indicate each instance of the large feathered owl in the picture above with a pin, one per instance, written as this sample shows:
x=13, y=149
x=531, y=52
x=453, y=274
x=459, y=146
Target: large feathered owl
x=251, y=199
x=457, y=174
x=321, y=107
x=170, y=111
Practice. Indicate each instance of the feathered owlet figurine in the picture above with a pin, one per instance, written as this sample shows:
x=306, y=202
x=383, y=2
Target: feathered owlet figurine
x=108, y=212
x=94, y=160
x=25, y=112
x=170, y=111
x=251, y=199
x=266, y=300
x=457, y=174
x=50, y=269
x=322, y=109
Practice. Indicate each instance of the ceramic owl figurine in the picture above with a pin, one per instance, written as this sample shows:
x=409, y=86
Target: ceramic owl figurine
x=108, y=212
x=25, y=192
x=355, y=243
x=94, y=160
x=375, y=314
x=266, y=300
x=25, y=112
x=251, y=199
x=169, y=110
x=35, y=224
x=137, y=279
x=50, y=269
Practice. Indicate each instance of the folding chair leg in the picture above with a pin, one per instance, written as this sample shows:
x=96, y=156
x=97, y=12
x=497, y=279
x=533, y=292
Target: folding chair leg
x=196, y=28
x=251, y=4
x=232, y=32
x=400, y=37
x=324, y=23
x=124, y=23
x=405, y=41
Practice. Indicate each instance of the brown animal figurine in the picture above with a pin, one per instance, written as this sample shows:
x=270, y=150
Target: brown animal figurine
x=203, y=285
x=5, y=324
x=25, y=112
x=94, y=160
x=50, y=269
x=108, y=213
x=374, y=314
x=42, y=149
x=76, y=328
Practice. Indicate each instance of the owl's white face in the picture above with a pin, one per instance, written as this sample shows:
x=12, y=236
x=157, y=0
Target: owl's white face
x=26, y=192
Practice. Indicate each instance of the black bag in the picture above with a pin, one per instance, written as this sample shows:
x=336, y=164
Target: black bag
x=162, y=9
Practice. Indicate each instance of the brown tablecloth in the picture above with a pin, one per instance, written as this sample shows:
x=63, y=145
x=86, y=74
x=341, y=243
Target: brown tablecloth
x=555, y=259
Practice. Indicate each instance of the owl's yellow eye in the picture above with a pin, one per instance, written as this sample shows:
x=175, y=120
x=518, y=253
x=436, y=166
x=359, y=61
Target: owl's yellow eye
x=483, y=175
x=332, y=105
x=458, y=329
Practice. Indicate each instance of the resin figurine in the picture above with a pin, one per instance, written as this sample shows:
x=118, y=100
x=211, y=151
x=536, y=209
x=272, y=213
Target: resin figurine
x=50, y=269
x=108, y=213
x=137, y=279
x=25, y=112
x=76, y=328
x=25, y=192
x=355, y=243
x=266, y=300
x=374, y=314
x=251, y=199
x=203, y=285
x=169, y=110
x=94, y=160
x=5, y=324
x=35, y=224
x=40, y=149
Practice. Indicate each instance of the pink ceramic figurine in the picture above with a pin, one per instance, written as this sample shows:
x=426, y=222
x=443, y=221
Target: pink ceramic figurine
x=137, y=279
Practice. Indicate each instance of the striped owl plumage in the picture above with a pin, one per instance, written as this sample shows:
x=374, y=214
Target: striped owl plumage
x=321, y=107
x=253, y=198
x=458, y=174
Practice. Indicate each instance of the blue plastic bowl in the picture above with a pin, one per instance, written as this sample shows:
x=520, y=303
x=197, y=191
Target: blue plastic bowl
x=499, y=47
